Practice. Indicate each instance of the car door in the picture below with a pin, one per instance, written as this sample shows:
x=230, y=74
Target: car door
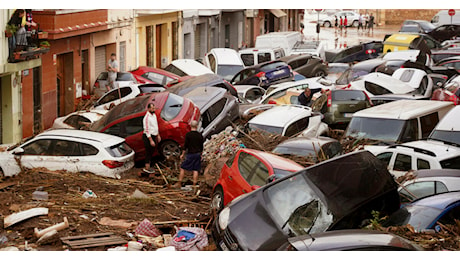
x=215, y=118
x=52, y=154
x=240, y=179
x=132, y=130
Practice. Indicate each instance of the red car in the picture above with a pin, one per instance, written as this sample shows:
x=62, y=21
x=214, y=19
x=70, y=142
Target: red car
x=145, y=74
x=450, y=92
x=246, y=171
x=174, y=114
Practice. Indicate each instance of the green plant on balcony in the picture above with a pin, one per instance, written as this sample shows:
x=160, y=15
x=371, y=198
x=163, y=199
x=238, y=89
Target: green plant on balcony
x=10, y=30
x=44, y=44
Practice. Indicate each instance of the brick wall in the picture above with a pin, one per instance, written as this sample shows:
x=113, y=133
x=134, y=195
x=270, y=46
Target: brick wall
x=397, y=16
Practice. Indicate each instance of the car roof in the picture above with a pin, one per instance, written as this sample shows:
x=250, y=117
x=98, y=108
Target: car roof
x=437, y=173
x=226, y=56
x=429, y=147
x=307, y=142
x=439, y=201
x=450, y=121
x=90, y=136
x=203, y=96
x=403, y=109
x=281, y=116
x=275, y=161
x=191, y=67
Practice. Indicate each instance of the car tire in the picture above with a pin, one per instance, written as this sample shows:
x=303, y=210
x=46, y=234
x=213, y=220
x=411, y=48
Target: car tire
x=327, y=24
x=169, y=148
x=355, y=23
x=217, y=199
x=319, y=73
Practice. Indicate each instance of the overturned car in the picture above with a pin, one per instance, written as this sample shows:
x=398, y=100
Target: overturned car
x=339, y=193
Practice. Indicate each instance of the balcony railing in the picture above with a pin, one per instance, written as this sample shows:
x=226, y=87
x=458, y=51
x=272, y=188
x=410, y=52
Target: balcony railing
x=36, y=45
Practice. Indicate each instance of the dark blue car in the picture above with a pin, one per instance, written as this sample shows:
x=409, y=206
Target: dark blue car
x=425, y=213
x=264, y=74
x=360, y=52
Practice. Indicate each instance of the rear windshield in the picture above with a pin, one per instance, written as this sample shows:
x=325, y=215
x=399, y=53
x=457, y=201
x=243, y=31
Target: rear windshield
x=266, y=128
x=119, y=150
x=450, y=137
x=228, y=71
x=346, y=95
x=375, y=89
x=248, y=59
x=124, y=76
x=172, y=107
x=173, y=69
x=272, y=66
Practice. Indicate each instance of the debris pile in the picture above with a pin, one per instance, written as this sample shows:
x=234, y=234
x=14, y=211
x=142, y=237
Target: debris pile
x=224, y=144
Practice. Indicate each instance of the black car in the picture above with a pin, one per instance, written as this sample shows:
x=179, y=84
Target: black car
x=350, y=240
x=360, y=52
x=424, y=26
x=306, y=64
x=264, y=74
x=445, y=32
x=209, y=79
x=339, y=193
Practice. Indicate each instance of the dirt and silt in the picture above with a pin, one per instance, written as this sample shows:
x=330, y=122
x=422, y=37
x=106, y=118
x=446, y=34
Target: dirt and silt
x=120, y=205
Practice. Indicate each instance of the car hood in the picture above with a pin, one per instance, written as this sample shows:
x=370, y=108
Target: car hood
x=344, y=184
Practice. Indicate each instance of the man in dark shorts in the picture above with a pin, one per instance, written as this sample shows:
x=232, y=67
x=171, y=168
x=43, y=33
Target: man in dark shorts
x=193, y=148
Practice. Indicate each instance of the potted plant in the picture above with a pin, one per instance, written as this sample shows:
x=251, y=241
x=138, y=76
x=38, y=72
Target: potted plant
x=44, y=44
x=10, y=30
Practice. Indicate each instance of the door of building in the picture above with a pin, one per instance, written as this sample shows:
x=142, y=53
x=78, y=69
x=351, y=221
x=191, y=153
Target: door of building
x=37, y=96
x=101, y=60
x=149, y=46
x=158, y=46
x=65, y=86
x=85, y=71
x=122, y=54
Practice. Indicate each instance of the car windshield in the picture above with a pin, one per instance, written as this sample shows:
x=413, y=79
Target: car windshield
x=123, y=76
x=228, y=71
x=129, y=107
x=417, y=216
x=119, y=150
x=296, y=207
x=388, y=130
x=350, y=75
x=299, y=151
x=172, y=107
x=450, y=137
x=266, y=128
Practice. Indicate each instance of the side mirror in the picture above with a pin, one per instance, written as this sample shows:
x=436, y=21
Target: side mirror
x=18, y=151
x=270, y=178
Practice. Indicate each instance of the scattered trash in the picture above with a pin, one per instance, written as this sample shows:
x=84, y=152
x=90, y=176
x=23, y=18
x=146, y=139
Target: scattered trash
x=89, y=194
x=146, y=228
x=56, y=227
x=118, y=248
x=40, y=195
x=116, y=223
x=222, y=144
x=93, y=240
x=48, y=237
x=134, y=246
x=23, y=215
x=137, y=194
x=168, y=248
x=84, y=217
x=190, y=239
x=3, y=239
x=9, y=248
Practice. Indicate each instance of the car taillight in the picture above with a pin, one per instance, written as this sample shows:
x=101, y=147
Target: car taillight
x=348, y=86
x=112, y=164
x=260, y=74
x=370, y=51
x=272, y=102
x=96, y=84
x=329, y=99
x=454, y=99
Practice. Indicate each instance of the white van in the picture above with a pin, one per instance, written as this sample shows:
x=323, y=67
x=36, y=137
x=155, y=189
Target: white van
x=285, y=40
x=448, y=129
x=398, y=121
x=442, y=17
x=224, y=62
x=254, y=56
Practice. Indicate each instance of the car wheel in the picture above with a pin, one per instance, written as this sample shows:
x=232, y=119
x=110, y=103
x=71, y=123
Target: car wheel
x=170, y=148
x=327, y=24
x=320, y=73
x=355, y=23
x=217, y=201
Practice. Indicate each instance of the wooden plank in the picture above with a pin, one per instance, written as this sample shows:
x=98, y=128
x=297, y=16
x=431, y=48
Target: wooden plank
x=93, y=241
x=101, y=244
x=87, y=236
x=5, y=185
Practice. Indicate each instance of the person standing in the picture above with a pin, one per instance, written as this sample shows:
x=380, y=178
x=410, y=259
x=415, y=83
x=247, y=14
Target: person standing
x=336, y=22
x=341, y=23
x=151, y=136
x=360, y=22
x=345, y=23
x=112, y=69
x=193, y=148
x=371, y=23
x=18, y=40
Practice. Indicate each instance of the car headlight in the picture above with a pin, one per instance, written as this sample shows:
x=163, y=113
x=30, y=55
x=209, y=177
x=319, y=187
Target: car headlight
x=223, y=218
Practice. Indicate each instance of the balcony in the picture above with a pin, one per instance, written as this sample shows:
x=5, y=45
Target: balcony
x=36, y=46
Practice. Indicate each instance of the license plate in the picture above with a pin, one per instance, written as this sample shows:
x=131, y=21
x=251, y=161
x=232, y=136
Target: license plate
x=348, y=114
x=223, y=246
x=278, y=72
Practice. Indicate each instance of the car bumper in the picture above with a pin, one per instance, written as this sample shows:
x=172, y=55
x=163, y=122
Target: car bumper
x=223, y=239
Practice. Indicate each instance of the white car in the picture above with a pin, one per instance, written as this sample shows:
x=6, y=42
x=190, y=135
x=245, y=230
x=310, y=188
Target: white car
x=448, y=128
x=289, y=120
x=352, y=19
x=78, y=119
x=280, y=89
x=377, y=83
x=187, y=67
x=418, y=79
x=225, y=62
x=409, y=55
x=118, y=95
x=251, y=93
x=70, y=150
x=429, y=182
x=312, y=47
x=123, y=79
x=418, y=155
